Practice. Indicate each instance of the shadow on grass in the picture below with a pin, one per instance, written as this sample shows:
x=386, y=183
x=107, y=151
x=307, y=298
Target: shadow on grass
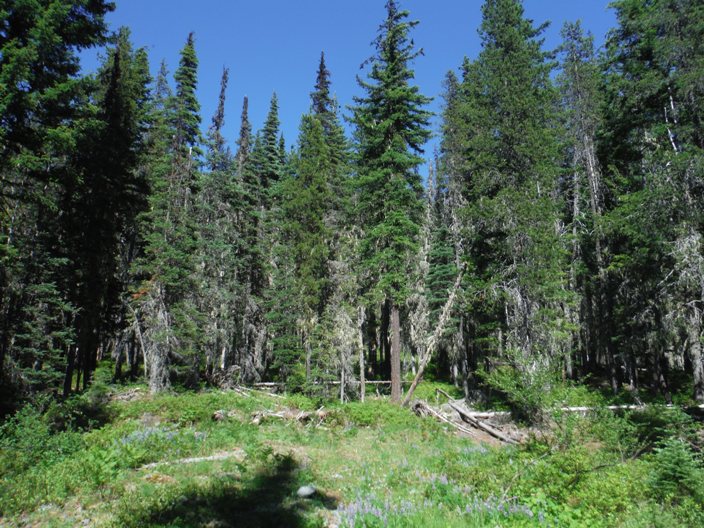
x=269, y=500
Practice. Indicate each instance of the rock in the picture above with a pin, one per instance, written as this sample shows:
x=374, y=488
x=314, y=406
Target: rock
x=305, y=492
x=219, y=415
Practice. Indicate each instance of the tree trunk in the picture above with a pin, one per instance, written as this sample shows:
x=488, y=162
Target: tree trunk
x=158, y=368
x=373, y=343
x=395, y=354
x=68, y=376
x=384, y=340
x=362, y=380
x=342, y=376
x=694, y=340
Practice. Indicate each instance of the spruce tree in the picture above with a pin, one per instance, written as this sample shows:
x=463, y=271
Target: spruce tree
x=219, y=209
x=250, y=254
x=166, y=301
x=516, y=259
x=270, y=156
x=392, y=127
x=42, y=103
x=103, y=207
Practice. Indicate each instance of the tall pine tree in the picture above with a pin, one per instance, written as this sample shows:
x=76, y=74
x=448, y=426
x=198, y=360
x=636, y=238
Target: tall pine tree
x=168, y=311
x=392, y=126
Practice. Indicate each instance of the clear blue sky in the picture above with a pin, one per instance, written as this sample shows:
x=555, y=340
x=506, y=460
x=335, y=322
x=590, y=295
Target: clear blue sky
x=275, y=45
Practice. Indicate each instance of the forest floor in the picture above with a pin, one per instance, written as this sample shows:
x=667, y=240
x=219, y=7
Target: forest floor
x=226, y=459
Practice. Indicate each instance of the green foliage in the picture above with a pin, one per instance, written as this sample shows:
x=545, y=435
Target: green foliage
x=376, y=463
x=377, y=413
x=677, y=473
x=528, y=389
x=392, y=126
x=46, y=111
x=501, y=128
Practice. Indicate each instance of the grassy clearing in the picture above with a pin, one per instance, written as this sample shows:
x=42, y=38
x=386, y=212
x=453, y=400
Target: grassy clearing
x=373, y=464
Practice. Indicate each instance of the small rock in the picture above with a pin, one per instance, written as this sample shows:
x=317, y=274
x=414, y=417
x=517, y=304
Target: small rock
x=306, y=492
x=219, y=415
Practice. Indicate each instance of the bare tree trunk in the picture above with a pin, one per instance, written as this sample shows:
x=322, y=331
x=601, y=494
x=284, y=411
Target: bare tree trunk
x=342, y=376
x=309, y=355
x=694, y=342
x=395, y=354
x=362, y=380
x=384, y=340
x=68, y=376
x=574, y=317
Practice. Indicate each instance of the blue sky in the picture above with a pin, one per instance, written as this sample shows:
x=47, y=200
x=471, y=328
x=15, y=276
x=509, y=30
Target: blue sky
x=275, y=45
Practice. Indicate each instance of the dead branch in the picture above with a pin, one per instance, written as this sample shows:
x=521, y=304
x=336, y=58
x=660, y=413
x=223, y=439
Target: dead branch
x=481, y=425
x=423, y=410
x=435, y=338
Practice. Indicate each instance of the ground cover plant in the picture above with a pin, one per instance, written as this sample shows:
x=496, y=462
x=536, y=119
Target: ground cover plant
x=165, y=461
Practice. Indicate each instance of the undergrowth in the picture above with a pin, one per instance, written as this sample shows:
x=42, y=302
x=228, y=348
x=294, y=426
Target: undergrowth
x=373, y=464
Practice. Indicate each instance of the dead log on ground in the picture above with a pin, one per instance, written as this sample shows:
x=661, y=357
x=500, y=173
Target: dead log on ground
x=481, y=425
x=422, y=409
x=292, y=415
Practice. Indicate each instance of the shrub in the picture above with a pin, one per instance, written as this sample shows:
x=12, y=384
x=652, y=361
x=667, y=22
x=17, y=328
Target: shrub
x=528, y=389
x=676, y=472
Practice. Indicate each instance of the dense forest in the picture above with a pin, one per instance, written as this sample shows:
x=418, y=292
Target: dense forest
x=345, y=328
x=558, y=235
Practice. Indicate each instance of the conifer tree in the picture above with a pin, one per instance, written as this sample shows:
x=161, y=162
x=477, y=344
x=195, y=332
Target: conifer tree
x=270, y=155
x=339, y=327
x=579, y=84
x=220, y=292
x=442, y=268
x=169, y=311
x=41, y=101
x=103, y=207
x=509, y=165
x=392, y=126
x=251, y=254
x=652, y=141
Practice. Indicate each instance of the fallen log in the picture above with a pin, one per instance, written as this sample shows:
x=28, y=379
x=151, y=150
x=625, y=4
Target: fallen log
x=481, y=425
x=237, y=454
x=498, y=414
x=422, y=409
x=473, y=420
x=291, y=414
x=275, y=384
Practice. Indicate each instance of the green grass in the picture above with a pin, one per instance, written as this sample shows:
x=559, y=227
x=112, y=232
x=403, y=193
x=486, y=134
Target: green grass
x=374, y=464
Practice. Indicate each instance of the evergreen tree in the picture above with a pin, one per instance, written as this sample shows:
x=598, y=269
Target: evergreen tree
x=391, y=129
x=442, y=267
x=244, y=142
x=251, y=251
x=169, y=311
x=270, y=155
x=103, y=206
x=652, y=141
x=219, y=208
x=510, y=151
x=41, y=102
x=186, y=115
x=579, y=84
x=305, y=244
